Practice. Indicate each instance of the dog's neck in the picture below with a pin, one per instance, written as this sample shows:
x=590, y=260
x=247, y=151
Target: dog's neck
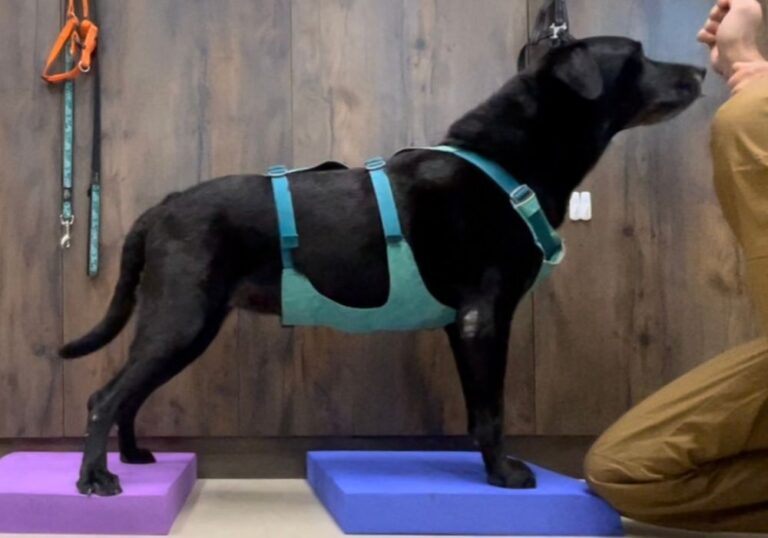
x=550, y=154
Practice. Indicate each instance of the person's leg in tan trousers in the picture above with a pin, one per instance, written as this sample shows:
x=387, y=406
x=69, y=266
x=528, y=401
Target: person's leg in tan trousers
x=695, y=454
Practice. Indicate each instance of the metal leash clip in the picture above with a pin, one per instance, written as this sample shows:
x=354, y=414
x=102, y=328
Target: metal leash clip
x=66, y=238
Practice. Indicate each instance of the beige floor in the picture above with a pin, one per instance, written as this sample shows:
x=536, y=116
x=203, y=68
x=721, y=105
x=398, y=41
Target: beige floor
x=284, y=509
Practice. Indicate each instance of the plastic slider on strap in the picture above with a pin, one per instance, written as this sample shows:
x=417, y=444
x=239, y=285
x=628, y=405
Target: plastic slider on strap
x=376, y=163
x=524, y=200
x=277, y=171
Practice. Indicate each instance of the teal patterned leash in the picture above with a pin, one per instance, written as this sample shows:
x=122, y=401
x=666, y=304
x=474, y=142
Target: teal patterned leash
x=67, y=213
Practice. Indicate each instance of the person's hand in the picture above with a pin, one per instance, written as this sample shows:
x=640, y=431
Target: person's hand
x=732, y=32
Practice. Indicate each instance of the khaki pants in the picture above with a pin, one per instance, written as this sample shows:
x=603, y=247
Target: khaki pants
x=695, y=454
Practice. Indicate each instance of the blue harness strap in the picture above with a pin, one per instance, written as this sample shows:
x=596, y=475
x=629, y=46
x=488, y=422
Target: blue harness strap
x=289, y=235
x=385, y=199
x=525, y=202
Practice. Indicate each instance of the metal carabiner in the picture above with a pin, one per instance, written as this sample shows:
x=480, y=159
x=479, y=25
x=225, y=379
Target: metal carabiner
x=557, y=30
x=66, y=238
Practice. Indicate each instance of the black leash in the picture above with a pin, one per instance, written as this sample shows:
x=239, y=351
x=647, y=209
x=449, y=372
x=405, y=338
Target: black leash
x=552, y=30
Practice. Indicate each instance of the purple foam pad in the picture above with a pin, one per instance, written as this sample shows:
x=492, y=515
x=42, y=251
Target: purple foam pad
x=447, y=493
x=38, y=495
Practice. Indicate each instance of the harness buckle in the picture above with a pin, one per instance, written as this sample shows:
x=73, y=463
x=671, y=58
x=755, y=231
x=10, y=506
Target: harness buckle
x=277, y=171
x=376, y=163
x=521, y=196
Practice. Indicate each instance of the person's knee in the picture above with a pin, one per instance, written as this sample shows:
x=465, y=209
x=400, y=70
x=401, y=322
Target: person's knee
x=610, y=479
x=600, y=471
x=618, y=482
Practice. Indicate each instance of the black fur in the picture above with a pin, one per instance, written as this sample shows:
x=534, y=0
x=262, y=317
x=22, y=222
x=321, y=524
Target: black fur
x=215, y=246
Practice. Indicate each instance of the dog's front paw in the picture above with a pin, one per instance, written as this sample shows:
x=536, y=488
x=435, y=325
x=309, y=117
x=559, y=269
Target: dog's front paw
x=512, y=474
x=137, y=456
x=99, y=482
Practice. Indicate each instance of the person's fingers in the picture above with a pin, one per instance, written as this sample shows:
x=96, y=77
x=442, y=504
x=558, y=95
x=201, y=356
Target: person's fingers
x=707, y=38
x=711, y=27
x=718, y=13
x=708, y=33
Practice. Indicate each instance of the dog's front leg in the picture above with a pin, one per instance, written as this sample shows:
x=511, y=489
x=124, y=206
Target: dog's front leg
x=479, y=340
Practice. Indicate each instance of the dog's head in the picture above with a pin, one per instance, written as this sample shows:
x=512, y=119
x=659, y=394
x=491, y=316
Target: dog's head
x=613, y=76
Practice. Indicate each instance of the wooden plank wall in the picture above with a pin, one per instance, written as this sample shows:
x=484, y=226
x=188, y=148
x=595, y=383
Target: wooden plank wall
x=31, y=395
x=194, y=89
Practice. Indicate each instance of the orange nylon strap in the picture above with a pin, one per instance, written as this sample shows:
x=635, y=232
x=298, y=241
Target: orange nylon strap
x=80, y=34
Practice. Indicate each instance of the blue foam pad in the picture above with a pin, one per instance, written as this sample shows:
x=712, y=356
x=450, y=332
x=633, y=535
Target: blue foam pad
x=447, y=493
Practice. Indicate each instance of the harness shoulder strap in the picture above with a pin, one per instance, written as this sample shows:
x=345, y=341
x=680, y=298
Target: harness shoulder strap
x=524, y=201
x=385, y=199
x=286, y=219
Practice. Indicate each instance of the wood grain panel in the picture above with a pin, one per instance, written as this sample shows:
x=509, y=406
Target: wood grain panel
x=191, y=90
x=30, y=272
x=368, y=78
x=650, y=287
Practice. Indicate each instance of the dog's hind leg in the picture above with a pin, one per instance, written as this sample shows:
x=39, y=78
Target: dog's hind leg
x=479, y=340
x=175, y=325
x=130, y=452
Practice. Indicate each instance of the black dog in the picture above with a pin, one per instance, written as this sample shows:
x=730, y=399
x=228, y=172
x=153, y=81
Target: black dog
x=215, y=246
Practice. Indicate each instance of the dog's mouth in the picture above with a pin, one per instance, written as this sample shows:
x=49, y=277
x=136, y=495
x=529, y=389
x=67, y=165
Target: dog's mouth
x=672, y=101
x=660, y=113
x=668, y=90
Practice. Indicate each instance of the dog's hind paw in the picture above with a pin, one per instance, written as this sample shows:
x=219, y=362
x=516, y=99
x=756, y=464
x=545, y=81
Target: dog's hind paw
x=99, y=482
x=138, y=456
x=512, y=474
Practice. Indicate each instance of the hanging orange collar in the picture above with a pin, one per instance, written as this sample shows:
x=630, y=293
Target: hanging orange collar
x=81, y=36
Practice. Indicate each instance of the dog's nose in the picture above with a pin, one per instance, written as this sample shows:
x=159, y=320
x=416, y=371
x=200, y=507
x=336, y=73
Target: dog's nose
x=701, y=73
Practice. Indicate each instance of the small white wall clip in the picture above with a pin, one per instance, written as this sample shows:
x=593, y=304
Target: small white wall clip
x=586, y=206
x=580, y=207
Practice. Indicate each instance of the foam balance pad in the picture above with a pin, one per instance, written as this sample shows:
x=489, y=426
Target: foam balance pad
x=447, y=493
x=38, y=495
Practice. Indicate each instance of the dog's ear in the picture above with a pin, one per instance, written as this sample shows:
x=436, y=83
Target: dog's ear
x=577, y=69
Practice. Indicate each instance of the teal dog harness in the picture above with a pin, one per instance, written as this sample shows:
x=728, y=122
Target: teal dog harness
x=410, y=306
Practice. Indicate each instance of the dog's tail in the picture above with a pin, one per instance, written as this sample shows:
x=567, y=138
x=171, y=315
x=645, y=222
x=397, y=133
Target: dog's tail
x=123, y=298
